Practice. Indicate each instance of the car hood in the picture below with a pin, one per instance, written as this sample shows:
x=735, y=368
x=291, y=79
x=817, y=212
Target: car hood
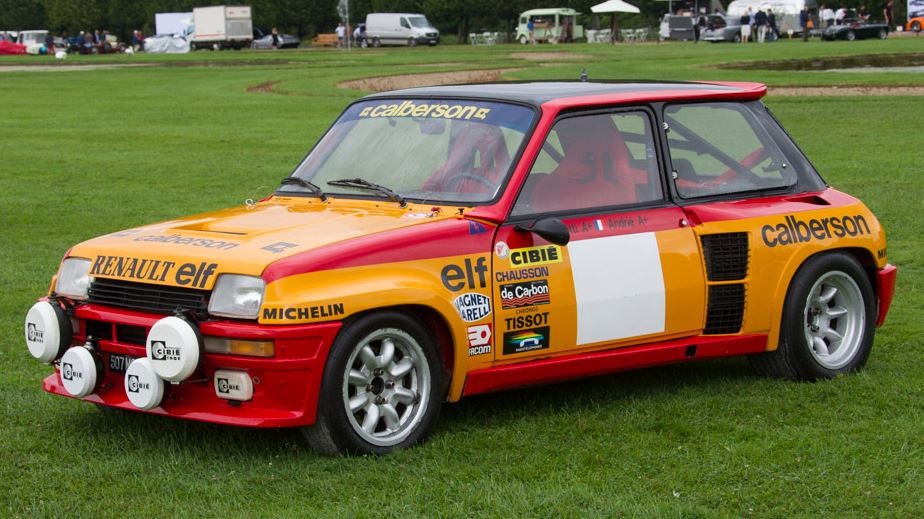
x=192, y=251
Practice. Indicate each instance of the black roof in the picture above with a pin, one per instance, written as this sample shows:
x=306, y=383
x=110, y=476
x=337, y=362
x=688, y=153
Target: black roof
x=537, y=93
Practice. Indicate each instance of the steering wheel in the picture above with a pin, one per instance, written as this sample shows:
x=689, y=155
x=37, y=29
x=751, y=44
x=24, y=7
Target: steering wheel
x=455, y=180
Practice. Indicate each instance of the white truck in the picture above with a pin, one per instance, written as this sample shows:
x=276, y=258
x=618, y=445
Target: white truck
x=222, y=27
x=400, y=29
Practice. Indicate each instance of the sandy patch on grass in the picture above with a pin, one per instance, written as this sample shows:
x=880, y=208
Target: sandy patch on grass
x=382, y=83
x=846, y=91
x=548, y=56
x=69, y=68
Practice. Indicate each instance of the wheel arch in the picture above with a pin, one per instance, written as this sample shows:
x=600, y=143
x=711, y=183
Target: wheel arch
x=864, y=256
x=438, y=327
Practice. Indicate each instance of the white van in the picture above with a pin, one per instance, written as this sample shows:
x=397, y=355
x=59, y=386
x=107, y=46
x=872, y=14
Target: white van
x=400, y=29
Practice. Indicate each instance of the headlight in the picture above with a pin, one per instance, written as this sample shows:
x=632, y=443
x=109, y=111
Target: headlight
x=73, y=278
x=237, y=296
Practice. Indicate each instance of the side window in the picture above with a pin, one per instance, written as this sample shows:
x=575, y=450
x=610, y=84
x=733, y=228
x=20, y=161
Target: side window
x=721, y=148
x=405, y=24
x=593, y=161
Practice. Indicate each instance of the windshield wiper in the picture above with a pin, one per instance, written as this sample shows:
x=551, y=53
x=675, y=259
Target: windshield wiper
x=306, y=184
x=359, y=183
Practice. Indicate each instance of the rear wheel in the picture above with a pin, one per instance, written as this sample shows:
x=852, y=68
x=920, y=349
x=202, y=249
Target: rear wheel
x=737, y=37
x=916, y=27
x=883, y=34
x=828, y=321
x=851, y=36
x=382, y=388
x=376, y=42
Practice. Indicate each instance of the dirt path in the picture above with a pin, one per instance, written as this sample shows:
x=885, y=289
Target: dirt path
x=845, y=91
x=70, y=68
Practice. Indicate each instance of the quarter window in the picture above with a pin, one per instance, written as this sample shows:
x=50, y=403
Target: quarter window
x=593, y=161
x=721, y=148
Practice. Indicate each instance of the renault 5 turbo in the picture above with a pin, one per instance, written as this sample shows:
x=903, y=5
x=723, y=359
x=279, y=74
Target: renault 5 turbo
x=450, y=241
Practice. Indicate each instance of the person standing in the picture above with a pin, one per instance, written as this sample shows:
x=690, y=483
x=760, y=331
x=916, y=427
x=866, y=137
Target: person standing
x=700, y=25
x=827, y=16
x=889, y=14
x=804, y=23
x=745, y=26
x=771, y=25
x=274, y=34
x=839, y=16
x=341, y=34
x=531, y=29
x=760, y=20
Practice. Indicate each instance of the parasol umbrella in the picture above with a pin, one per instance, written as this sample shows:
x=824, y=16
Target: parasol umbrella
x=614, y=6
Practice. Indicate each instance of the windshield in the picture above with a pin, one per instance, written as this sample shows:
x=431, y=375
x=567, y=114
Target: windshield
x=434, y=150
x=419, y=21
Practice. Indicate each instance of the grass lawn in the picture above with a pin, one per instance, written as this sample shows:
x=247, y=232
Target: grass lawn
x=85, y=153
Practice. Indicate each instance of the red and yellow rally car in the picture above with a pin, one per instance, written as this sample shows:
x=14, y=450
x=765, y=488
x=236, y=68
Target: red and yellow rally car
x=449, y=241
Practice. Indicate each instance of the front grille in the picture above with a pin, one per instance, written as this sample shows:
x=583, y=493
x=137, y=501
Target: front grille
x=726, y=309
x=155, y=299
x=726, y=256
x=99, y=330
x=131, y=334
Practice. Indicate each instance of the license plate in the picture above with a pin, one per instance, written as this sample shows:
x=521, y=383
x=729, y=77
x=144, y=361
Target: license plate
x=119, y=363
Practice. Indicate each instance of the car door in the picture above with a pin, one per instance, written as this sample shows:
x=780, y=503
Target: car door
x=631, y=272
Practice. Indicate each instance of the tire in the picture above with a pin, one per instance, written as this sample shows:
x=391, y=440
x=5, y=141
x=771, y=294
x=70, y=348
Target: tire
x=390, y=412
x=883, y=34
x=737, y=38
x=916, y=27
x=828, y=321
x=851, y=36
x=376, y=42
x=524, y=40
x=412, y=42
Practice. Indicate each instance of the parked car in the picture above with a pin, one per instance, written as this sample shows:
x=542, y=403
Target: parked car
x=856, y=30
x=531, y=233
x=166, y=44
x=264, y=40
x=915, y=24
x=722, y=28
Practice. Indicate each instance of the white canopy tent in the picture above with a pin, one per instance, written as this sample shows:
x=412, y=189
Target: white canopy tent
x=615, y=6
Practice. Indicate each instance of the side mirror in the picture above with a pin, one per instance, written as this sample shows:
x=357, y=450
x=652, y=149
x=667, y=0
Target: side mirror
x=551, y=230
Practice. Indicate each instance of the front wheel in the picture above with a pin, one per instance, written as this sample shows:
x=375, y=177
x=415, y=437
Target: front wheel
x=851, y=35
x=916, y=27
x=883, y=34
x=828, y=321
x=382, y=387
x=412, y=42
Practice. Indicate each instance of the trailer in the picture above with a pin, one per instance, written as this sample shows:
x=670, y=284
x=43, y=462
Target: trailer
x=222, y=27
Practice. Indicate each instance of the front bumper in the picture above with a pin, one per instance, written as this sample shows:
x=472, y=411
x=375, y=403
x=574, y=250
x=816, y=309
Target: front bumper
x=285, y=387
x=885, y=290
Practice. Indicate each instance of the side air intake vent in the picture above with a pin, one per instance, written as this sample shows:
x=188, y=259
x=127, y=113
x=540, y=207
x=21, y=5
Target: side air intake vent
x=726, y=256
x=726, y=309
